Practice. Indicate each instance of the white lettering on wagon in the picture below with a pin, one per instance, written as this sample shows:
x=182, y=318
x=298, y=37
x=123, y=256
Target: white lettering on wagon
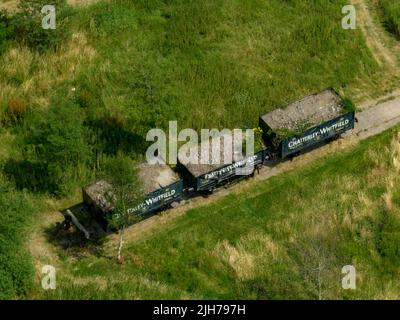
x=152, y=200
x=315, y=135
x=227, y=169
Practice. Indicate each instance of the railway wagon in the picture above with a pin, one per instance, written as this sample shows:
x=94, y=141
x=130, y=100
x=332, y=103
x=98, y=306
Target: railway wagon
x=285, y=133
x=207, y=173
x=306, y=123
x=161, y=185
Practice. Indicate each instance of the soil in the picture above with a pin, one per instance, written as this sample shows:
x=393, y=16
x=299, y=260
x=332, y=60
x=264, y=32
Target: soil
x=156, y=176
x=206, y=161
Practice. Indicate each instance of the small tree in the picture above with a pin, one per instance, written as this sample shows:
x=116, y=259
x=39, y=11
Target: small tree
x=57, y=140
x=127, y=193
x=316, y=257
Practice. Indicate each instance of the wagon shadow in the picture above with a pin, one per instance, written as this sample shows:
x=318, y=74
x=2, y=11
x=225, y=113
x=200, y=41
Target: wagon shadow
x=73, y=241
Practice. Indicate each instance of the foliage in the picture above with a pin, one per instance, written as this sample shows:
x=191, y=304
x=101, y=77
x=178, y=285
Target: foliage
x=127, y=188
x=133, y=66
x=266, y=242
x=16, y=109
x=391, y=12
x=348, y=105
x=25, y=26
x=56, y=147
x=3, y=32
x=16, y=268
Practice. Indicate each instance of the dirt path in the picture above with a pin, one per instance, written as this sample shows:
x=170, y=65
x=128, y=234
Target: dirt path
x=376, y=37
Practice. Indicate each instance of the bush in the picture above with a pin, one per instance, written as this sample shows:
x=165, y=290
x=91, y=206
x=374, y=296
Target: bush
x=58, y=143
x=388, y=243
x=3, y=32
x=25, y=26
x=391, y=11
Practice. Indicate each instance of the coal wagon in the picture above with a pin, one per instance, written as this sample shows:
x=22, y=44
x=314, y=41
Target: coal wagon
x=306, y=123
x=210, y=169
x=161, y=185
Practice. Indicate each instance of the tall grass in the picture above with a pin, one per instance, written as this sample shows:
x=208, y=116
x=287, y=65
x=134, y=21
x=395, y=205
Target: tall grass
x=216, y=63
x=206, y=64
x=16, y=271
x=391, y=11
x=135, y=65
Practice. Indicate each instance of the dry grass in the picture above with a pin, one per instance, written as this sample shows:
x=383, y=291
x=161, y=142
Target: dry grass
x=30, y=75
x=80, y=2
x=9, y=5
x=250, y=255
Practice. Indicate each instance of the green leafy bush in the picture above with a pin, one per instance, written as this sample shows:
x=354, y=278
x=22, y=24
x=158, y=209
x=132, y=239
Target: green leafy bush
x=25, y=26
x=388, y=243
x=57, y=149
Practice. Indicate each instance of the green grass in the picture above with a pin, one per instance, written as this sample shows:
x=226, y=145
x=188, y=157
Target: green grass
x=16, y=273
x=206, y=64
x=217, y=63
x=391, y=12
x=128, y=66
x=266, y=242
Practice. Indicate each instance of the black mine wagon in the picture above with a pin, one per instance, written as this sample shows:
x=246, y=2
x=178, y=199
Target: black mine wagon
x=160, y=183
x=207, y=172
x=306, y=123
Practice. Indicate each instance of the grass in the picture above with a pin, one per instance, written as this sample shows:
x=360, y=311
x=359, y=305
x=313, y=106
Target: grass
x=208, y=64
x=129, y=66
x=266, y=242
x=16, y=273
x=391, y=12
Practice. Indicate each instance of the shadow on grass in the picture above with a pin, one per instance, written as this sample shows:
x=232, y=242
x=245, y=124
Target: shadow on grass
x=28, y=175
x=71, y=240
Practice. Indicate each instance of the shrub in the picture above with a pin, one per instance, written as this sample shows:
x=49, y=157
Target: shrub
x=25, y=26
x=388, y=243
x=391, y=11
x=57, y=142
x=3, y=32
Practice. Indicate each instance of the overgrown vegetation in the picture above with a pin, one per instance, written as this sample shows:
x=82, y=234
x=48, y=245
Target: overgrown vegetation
x=208, y=64
x=16, y=271
x=126, y=193
x=25, y=26
x=391, y=12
